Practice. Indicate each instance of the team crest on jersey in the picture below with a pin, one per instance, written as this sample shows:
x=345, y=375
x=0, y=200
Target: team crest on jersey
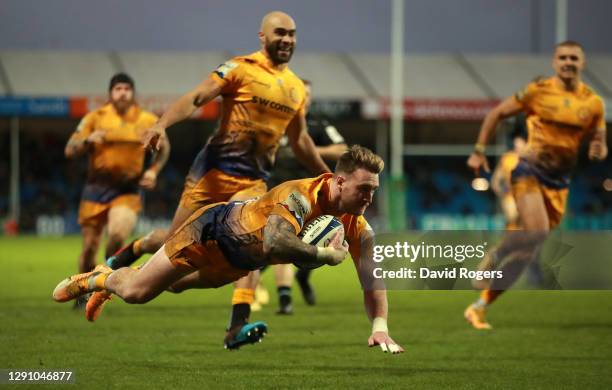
x=224, y=69
x=584, y=114
x=298, y=206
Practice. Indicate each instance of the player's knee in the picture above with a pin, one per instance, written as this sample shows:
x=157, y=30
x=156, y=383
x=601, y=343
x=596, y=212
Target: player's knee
x=154, y=240
x=138, y=295
x=116, y=237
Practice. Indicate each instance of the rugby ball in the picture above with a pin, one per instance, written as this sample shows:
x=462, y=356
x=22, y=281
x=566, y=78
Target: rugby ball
x=320, y=231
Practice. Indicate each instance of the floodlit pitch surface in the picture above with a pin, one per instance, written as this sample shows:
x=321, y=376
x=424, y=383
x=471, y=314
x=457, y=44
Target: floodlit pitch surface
x=542, y=339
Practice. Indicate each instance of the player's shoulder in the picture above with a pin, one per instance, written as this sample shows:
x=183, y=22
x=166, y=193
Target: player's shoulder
x=234, y=65
x=291, y=73
x=90, y=119
x=294, y=77
x=588, y=92
x=532, y=87
x=305, y=191
x=239, y=65
x=148, y=116
x=308, y=186
x=245, y=59
x=99, y=112
x=293, y=195
x=106, y=109
x=541, y=83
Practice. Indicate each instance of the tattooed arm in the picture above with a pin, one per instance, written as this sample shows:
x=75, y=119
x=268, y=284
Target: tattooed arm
x=280, y=241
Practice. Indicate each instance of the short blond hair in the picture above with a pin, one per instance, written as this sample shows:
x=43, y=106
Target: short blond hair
x=359, y=157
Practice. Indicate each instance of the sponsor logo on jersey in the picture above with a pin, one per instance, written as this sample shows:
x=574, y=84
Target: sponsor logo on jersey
x=584, y=114
x=298, y=206
x=273, y=105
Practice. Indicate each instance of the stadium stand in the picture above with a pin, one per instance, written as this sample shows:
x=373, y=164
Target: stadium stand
x=343, y=77
x=347, y=76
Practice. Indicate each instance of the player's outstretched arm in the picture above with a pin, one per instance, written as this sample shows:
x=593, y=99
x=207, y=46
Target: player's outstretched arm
x=180, y=110
x=303, y=146
x=332, y=152
x=149, y=177
x=506, y=108
x=376, y=307
x=374, y=294
x=280, y=241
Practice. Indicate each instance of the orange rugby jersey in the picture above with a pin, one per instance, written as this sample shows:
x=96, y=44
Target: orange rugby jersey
x=297, y=201
x=259, y=102
x=557, y=120
x=120, y=158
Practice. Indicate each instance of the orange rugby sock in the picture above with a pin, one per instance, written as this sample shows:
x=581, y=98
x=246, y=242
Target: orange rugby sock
x=243, y=295
x=96, y=282
x=489, y=296
x=136, y=247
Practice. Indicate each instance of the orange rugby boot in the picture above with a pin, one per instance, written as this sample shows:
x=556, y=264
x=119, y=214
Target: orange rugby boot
x=477, y=317
x=78, y=285
x=95, y=304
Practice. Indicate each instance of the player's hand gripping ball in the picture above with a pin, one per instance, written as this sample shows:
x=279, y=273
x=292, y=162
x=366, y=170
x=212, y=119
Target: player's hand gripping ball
x=325, y=232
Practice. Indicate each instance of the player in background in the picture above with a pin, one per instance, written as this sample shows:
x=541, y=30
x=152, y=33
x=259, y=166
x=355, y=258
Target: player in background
x=501, y=186
x=501, y=181
x=223, y=242
x=262, y=99
x=561, y=111
x=330, y=145
x=111, y=137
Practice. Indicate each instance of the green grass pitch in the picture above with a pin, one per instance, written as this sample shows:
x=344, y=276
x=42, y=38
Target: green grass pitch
x=542, y=339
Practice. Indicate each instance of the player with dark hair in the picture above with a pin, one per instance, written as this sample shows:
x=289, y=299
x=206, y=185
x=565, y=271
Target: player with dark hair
x=223, y=242
x=111, y=136
x=561, y=111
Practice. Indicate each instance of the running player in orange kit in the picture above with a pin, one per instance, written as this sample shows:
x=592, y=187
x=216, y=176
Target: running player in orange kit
x=262, y=99
x=222, y=242
x=111, y=135
x=561, y=111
